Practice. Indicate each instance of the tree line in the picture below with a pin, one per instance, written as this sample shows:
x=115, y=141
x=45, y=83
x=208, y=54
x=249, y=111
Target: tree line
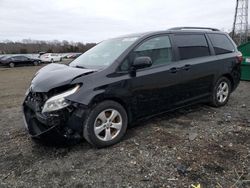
x=27, y=46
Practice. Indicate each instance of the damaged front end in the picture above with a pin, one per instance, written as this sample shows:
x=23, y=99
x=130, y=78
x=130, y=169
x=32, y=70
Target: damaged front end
x=46, y=109
x=49, y=113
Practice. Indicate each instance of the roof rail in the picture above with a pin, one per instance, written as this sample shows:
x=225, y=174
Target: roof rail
x=198, y=28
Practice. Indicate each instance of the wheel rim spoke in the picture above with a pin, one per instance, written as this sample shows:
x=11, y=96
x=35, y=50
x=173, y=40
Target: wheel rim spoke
x=102, y=117
x=99, y=129
x=224, y=87
x=113, y=115
x=108, y=135
x=225, y=93
x=221, y=98
x=117, y=126
x=220, y=86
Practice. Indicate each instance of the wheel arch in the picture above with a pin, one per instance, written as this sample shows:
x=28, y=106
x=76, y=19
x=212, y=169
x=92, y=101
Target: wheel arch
x=230, y=78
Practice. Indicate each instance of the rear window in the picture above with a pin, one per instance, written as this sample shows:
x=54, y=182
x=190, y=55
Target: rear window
x=221, y=44
x=191, y=46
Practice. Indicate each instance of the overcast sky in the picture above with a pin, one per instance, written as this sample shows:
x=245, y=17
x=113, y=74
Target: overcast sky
x=96, y=20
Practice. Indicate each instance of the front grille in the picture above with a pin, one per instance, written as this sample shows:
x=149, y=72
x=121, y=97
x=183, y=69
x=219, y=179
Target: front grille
x=37, y=122
x=35, y=101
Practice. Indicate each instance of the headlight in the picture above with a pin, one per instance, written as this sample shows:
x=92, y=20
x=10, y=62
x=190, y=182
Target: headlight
x=58, y=102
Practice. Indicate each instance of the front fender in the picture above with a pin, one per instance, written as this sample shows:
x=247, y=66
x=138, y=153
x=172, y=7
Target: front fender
x=85, y=97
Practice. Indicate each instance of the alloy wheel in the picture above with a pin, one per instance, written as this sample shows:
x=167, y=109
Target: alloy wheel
x=12, y=65
x=222, y=92
x=108, y=124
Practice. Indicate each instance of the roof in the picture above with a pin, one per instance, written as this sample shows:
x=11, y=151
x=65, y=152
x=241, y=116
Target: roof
x=175, y=30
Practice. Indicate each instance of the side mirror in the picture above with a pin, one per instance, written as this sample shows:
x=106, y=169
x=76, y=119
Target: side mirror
x=142, y=62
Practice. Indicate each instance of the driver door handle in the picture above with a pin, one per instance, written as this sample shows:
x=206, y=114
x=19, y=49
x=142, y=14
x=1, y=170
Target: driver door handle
x=174, y=70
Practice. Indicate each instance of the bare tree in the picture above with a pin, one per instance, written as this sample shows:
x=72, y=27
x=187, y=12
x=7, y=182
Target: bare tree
x=35, y=46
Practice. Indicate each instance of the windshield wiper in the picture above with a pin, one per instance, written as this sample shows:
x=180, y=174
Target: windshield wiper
x=81, y=67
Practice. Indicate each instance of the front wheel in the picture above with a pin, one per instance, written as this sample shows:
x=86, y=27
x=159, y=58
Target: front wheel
x=106, y=124
x=221, y=92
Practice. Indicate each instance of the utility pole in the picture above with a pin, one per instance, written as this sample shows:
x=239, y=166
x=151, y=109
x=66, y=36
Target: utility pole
x=240, y=25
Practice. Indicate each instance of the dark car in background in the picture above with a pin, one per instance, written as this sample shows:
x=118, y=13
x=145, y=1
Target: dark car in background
x=123, y=80
x=12, y=61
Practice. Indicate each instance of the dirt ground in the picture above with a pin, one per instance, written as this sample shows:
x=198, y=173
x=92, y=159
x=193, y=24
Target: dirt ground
x=201, y=144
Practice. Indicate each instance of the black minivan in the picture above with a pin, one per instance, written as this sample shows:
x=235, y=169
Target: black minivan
x=125, y=79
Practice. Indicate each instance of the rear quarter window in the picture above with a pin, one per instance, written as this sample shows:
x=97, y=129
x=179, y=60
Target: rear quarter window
x=221, y=44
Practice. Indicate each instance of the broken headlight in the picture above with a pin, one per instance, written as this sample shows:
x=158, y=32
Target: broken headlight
x=58, y=102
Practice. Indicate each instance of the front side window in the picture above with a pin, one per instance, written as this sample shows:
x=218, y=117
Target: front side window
x=158, y=49
x=221, y=44
x=103, y=54
x=191, y=46
x=17, y=58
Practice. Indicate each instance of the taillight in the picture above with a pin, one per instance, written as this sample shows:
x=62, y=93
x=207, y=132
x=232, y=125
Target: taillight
x=239, y=57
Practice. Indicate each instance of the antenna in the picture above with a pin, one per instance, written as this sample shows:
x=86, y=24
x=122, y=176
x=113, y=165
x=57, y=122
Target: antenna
x=240, y=25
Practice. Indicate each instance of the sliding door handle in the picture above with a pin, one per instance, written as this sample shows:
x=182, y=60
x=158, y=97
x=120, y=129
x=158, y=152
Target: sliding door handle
x=186, y=67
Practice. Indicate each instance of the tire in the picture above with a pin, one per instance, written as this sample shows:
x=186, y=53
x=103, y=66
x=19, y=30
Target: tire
x=221, y=96
x=11, y=65
x=52, y=61
x=99, y=124
x=35, y=63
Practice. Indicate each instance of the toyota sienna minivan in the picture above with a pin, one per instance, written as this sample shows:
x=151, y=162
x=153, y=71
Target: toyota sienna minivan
x=123, y=80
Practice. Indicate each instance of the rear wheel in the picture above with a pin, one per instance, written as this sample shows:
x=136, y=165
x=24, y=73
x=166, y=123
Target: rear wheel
x=221, y=92
x=11, y=65
x=106, y=124
x=52, y=60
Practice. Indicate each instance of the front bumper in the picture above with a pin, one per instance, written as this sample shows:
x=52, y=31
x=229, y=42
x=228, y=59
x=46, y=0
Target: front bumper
x=66, y=123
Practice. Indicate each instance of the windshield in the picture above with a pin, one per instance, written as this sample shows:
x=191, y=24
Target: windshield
x=103, y=54
x=4, y=57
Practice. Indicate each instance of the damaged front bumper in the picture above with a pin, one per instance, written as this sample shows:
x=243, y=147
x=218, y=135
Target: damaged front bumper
x=67, y=122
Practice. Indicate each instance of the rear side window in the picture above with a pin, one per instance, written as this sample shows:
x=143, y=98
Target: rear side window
x=17, y=58
x=191, y=46
x=23, y=58
x=221, y=44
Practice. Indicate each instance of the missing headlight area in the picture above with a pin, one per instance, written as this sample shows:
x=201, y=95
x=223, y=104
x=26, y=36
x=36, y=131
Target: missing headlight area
x=64, y=121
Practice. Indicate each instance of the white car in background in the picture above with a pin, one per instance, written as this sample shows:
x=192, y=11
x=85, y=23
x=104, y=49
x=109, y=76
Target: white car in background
x=50, y=58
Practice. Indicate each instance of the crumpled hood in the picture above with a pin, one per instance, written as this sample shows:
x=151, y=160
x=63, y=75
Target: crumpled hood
x=55, y=75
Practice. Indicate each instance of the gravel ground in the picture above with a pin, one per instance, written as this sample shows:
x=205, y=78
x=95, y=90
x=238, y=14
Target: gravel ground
x=201, y=144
